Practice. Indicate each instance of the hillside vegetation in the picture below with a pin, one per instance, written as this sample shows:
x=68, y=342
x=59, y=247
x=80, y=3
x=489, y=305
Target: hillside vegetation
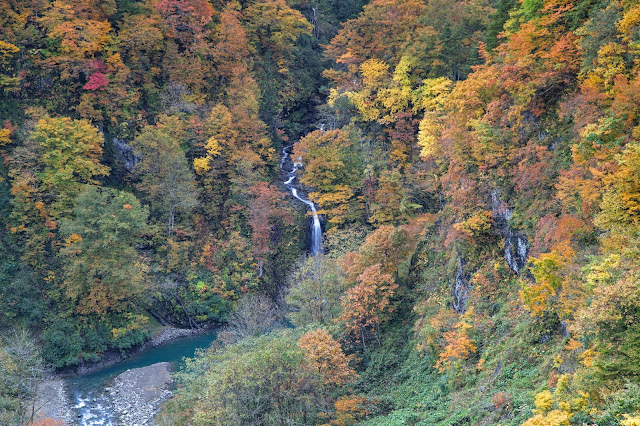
x=476, y=164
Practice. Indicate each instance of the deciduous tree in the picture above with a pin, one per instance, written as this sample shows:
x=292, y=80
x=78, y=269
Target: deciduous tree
x=315, y=287
x=164, y=174
x=365, y=305
x=69, y=157
x=103, y=271
x=325, y=355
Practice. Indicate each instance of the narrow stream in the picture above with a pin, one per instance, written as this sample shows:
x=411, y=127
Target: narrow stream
x=316, y=229
x=89, y=400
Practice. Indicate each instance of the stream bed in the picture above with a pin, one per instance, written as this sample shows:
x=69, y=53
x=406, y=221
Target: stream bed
x=90, y=401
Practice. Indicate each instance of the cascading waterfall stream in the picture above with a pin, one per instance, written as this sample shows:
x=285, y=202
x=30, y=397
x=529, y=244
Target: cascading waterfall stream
x=93, y=408
x=316, y=229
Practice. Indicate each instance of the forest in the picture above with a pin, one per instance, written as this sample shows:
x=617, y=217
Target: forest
x=476, y=168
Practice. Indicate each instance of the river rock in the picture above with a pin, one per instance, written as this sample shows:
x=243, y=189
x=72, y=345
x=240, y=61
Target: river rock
x=52, y=401
x=167, y=334
x=137, y=394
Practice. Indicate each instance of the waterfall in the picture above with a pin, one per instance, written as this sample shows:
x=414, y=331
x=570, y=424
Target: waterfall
x=316, y=229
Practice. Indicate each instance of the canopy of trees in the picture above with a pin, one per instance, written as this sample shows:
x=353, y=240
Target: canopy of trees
x=475, y=163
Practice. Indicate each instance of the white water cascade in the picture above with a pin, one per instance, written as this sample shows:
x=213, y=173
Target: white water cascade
x=93, y=408
x=316, y=229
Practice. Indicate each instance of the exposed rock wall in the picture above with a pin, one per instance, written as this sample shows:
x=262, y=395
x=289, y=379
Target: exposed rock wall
x=460, y=288
x=125, y=154
x=516, y=244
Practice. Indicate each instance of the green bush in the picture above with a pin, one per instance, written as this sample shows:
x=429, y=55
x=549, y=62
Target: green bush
x=62, y=345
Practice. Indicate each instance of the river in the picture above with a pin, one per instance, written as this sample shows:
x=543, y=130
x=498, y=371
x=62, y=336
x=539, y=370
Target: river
x=89, y=400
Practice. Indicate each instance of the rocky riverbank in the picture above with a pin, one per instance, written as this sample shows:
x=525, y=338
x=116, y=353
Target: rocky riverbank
x=137, y=394
x=170, y=333
x=134, y=396
x=52, y=401
x=164, y=335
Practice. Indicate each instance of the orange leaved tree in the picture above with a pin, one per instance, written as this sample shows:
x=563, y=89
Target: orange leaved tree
x=325, y=356
x=365, y=304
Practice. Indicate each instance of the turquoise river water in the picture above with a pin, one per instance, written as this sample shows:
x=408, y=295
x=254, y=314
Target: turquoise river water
x=90, y=403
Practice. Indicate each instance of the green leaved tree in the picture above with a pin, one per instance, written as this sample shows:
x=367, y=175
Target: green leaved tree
x=102, y=269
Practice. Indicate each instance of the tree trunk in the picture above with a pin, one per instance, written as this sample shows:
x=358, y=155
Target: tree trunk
x=192, y=323
x=171, y=220
x=161, y=320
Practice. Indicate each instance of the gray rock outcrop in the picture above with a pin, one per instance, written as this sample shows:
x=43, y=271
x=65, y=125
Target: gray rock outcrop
x=516, y=249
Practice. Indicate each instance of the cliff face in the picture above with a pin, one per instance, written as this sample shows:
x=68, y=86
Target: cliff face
x=460, y=288
x=516, y=244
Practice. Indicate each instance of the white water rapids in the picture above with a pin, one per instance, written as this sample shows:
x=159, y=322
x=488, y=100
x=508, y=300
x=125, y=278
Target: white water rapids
x=316, y=229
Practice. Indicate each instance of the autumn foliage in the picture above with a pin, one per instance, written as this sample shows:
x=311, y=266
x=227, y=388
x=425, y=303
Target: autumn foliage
x=365, y=305
x=475, y=165
x=326, y=357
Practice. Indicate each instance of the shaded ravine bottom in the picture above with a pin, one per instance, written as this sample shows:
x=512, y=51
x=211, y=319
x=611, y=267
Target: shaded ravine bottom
x=89, y=400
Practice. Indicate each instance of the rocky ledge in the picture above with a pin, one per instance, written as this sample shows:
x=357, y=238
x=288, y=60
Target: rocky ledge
x=170, y=333
x=137, y=394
